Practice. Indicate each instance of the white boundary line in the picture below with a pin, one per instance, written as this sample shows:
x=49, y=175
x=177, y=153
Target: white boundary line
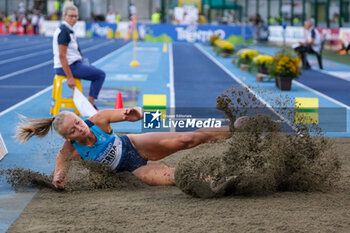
x=50, y=87
x=25, y=70
x=25, y=56
x=49, y=62
x=244, y=85
x=171, y=76
x=321, y=94
x=97, y=46
x=335, y=75
x=16, y=50
x=25, y=101
x=172, y=83
x=111, y=54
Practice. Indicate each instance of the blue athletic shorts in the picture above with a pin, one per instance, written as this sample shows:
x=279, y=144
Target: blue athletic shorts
x=131, y=159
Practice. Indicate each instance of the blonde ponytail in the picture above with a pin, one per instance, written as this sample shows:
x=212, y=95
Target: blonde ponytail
x=30, y=127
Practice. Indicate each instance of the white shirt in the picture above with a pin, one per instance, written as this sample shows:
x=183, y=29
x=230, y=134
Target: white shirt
x=132, y=10
x=64, y=35
x=110, y=18
x=313, y=33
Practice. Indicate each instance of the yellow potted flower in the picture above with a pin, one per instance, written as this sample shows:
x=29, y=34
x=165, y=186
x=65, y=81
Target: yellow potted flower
x=261, y=64
x=224, y=47
x=245, y=57
x=213, y=38
x=284, y=68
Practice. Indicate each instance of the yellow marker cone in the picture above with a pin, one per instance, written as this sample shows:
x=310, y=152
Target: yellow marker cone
x=134, y=63
x=165, y=48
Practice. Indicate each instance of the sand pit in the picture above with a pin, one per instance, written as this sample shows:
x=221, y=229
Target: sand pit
x=141, y=208
x=278, y=183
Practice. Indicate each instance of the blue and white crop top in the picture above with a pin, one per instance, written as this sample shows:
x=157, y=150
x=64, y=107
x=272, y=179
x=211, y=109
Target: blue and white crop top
x=107, y=149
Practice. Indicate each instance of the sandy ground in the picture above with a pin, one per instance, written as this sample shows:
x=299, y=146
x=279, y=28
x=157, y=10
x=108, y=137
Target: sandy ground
x=141, y=208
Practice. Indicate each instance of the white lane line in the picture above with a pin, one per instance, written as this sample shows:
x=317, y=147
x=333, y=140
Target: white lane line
x=22, y=57
x=23, y=49
x=50, y=87
x=48, y=62
x=244, y=85
x=98, y=46
x=25, y=70
x=338, y=74
x=25, y=101
x=28, y=48
x=21, y=86
x=112, y=54
x=27, y=44
x=321, y=94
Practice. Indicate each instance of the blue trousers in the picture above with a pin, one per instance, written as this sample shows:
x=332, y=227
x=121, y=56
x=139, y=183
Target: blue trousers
x=86, y=72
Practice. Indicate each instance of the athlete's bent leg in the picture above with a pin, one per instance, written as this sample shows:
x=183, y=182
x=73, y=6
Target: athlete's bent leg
x=155, y=146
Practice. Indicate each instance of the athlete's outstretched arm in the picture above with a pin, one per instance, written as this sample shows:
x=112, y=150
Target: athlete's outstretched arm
x=104, y=118
x=63, y=160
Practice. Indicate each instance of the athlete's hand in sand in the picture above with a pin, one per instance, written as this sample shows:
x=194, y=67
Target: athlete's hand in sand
x=132, y=114
x=59, y=180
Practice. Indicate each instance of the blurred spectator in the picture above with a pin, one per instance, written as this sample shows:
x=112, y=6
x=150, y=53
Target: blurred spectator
x=201, y=18
x=132, y=10
x=24, y=23
x=335, y=18
x=186, y=20
x=6, y=21
x=272, y=21
x=21, y=8
x=57, y=7
x=312, y=43
x=41, y=23
x=13, y=17
x=110, y=17
x=256, y=20
x=118, y=17
x=296, y=21
x=35, y=22
x=97, y=18
x=345, y=48
x=55, y=16
x=156, y=16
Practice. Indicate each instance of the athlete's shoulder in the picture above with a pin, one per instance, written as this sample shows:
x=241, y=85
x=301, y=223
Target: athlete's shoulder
x=68, y=150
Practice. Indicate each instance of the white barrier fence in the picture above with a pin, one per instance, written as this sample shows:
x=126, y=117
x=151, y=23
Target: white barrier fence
x=3, y=149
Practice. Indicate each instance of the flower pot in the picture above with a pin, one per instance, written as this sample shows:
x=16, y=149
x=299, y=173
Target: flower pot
x=244, y=67
x=225, y=55
x=284, y=84
x=263, y=69
x=277, y=83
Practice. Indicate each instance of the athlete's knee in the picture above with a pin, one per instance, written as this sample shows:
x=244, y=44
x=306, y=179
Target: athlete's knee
x=156, y=174
x=102, y=75
x=189, y=140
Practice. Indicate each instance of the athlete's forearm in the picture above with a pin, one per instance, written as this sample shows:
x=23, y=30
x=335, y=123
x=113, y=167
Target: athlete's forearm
x=61, y=171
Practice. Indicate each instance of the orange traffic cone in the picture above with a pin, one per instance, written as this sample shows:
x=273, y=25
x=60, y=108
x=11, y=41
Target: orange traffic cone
x=119, y=101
